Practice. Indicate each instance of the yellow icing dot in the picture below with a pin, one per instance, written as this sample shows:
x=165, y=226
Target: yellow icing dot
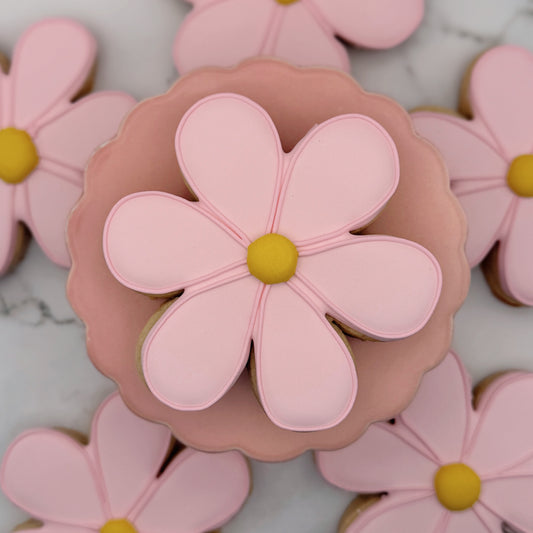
x=520, y=176
x=272, y=258
x=18, y=155
x=118, y=526
x=286, y=2
x=457, y=486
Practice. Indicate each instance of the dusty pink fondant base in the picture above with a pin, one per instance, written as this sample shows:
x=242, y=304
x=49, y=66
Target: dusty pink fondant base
x=143, y=158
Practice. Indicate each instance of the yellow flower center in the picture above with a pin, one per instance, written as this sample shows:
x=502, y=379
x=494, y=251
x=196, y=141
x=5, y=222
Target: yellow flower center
x=272, y=258
x=18, y=155
x=118, y=526
x=286, y=2
x=520, y=176
x=457, y=486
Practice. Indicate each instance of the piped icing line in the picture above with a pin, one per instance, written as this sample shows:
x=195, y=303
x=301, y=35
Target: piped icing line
x=444, y=465
x=47, y=136
x=249, y=191
x=114, y=483
x=268, y=28
x=490, y=159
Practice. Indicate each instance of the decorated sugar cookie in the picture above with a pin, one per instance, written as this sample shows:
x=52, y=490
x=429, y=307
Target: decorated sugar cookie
x=46, y=138
x=303, y=32
x=128, y=479
x=297, y=100
x=489, y=153
x=266, y=257
x=444, y=465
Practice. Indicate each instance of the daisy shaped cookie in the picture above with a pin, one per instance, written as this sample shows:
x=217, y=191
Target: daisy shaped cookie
x=45, y=138
x=303, y=32
x=123, y=481
x=444, y=466
x=490, y=159
x=267, y=263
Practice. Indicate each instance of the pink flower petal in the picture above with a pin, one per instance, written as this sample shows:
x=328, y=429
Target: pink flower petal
x=223, y=33
x=72, y=137
x=407, y=512
x=130, y=452
x=305, y=373
x=199, y=347
x=341, y=175
x=55, y=56
x=516, y=254
x=375, y=23
x=384, y=287
x=486, y=212
x=234, y=140
x=503, y=437
x=173, y=243
x=8, y=227
x=471, y=522
x=47, y=219
x=468, y=153
x=444, y=427
x=510, y=498
x=305, y=39
x=381, y=460
x=505, y=74
x=198, y=492
x=48, y=475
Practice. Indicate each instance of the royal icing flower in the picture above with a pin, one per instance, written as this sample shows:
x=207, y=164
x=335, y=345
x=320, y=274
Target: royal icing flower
x=266, y=257
x=303, y=32
x=444, y=466
x=45, y=139
x=115, y=483
x=490, y=159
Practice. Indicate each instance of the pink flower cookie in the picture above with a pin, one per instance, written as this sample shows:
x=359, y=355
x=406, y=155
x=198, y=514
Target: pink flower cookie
x=444, y=466
x=490, y=159
x=115, y=483
x=45, y=138
x=303, y=32
x=297, y=100
x=266, y=256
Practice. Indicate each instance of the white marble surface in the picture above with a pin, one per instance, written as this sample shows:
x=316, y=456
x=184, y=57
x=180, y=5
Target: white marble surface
x=46, y=378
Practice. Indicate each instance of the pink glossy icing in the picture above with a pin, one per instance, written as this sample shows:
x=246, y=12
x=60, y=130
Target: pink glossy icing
x=51, y=64
x=478, y=153
x=75, y=488
x=438, y=428
x=296, y=99
x=232, y=158
x=224, y=32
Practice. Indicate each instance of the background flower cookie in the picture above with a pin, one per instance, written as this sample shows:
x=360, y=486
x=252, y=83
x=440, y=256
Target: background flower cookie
x=47, y=135
x=445, y=464
x=296, y=100
x=130, y=478
x=265, y=256
x=489, y=153
x=304, y=32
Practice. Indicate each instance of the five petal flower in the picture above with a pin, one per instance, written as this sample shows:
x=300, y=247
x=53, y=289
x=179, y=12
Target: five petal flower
x=45, y=139
x=114, y=484
x=489, y=452
x=495, y=191
x=224, y=32
x=337, y=179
